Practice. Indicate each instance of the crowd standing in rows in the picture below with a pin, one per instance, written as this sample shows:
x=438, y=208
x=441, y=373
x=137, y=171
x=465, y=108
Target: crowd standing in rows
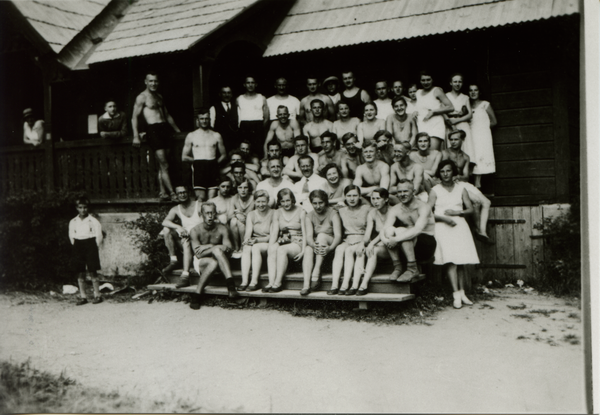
x=332, y=173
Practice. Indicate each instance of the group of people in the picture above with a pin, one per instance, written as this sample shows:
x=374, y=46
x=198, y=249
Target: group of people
x=334, y=172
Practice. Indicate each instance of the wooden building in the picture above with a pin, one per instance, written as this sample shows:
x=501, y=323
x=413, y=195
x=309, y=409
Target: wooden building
x=524, y=55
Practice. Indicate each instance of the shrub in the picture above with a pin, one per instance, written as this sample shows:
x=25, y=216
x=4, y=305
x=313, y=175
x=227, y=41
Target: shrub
x=144, y=232
x=560, y=271
x=35, y=249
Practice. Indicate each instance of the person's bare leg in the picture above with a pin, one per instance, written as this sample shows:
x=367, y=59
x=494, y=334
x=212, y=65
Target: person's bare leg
x=163, y=165
x=223, y=261
x=359, y=269
x=338, y=264
x=200, y=195
x=436, y=143
x=348, y=266
x=205, y=267
x=81, y=283
x=451, y=270
x=323, y=240
x=478, y=181
x=235, y=231
x=258, y=250
x=395, y=255
x=170, y=243
x=408, y=248
x=273, y=265
x=246, y=263
x=307, y=266
x=379, y=252
x=95, y=284
x=486, y=204
x=284, y=253
x=477, y=216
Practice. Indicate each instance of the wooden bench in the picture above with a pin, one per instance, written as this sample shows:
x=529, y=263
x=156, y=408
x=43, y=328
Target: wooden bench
x=381, y=289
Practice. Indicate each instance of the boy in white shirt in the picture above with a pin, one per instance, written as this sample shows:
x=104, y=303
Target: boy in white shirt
x=85, y=233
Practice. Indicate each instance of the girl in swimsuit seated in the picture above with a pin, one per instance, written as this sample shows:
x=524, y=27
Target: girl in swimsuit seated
x=256, y=241
x=243, y=203
x=351, y=253
x=336, y=184
x=376, y=249
x=224, y=202
x=286, y=237
x=323, y=235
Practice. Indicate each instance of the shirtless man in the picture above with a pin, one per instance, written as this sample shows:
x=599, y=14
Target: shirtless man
x=406, y=169
x=179, y=235
x=284, y=130
x=353, y=157
x=481, y=204
x=282, y=98
x=317, y=126
x=275, y=182
x=251, y=159
x=383, y=102
x=273, y=151
x=329, y=153
x=236, y=157
x=415, y=236
x=238, y=175
x=292, y=169
x=428, y=158
x=402, y=126
x=159, y=134
x=432, y=104
x=203, y=144
x=355, y=97
x=224, y=201
x=212, y=248
x=306, y=114
x=374, y=173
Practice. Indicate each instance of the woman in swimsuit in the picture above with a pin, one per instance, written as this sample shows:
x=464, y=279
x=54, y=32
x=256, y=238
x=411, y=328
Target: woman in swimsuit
x=243, y=203
x=366, y=130
x=256, y=241
x=287, y=239
x=351, y=253
x=323, y=235
x=345, y=123
x=336, y=184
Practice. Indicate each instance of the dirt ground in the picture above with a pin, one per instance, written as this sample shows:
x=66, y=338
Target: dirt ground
x=515, y=353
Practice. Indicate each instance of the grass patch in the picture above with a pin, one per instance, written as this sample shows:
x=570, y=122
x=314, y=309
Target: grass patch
x=24, y=389
x=571, y=338
x=522, y=338
x=522, y=306
x=523, y=316
x=573, y=315
x=545, y=313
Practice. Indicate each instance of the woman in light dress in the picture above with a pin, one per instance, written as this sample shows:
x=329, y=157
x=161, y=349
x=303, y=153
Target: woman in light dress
x=455, y=246
x=432, y=104
x=366, y=130
x=287, y=236
x=411, y=102
x=336, y=183
x=351, y=253
x=462, y=114
x=256, y=242
x=483, y=120
x=243, y=203
x=345, y=123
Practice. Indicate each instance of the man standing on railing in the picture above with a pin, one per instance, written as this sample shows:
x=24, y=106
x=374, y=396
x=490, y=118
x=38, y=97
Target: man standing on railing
x=159, y=134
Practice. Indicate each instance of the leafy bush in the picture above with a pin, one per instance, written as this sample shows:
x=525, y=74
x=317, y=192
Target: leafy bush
x=560, y=271
x=144, y=232
x=35, y=250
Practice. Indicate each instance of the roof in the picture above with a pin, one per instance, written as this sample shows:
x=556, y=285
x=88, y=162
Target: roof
x=58, y=21
x=160, y=26
x=312, y=24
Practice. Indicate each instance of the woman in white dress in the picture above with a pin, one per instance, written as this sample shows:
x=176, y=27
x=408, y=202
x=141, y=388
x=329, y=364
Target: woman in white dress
x=455, y=246
x=483, y=120
x=432, y=104
x=462, y=114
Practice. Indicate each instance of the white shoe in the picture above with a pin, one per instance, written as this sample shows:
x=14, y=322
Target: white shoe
x=236, y=255
x=464, y=299
x=457, y=300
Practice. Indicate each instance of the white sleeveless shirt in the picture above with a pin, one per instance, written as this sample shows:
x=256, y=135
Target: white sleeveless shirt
x=251, y=109
x=189, y=222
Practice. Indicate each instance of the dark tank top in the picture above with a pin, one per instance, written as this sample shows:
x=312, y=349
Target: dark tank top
x=356, y=105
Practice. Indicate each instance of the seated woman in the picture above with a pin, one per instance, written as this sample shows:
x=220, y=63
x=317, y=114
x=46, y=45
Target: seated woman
x=345, y=123
x=286, y=236
x=336, y=184
x=323, y=235
x=256, y=242
x=428, y=158
x=366, y=130
x=243, y=203
x=385, y=146
x=351, y=253
x=455, y=246
x=376, y=248
x=224, y=202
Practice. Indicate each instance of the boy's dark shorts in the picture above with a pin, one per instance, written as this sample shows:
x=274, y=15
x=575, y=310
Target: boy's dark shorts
x=85, y=253
x=158, y=136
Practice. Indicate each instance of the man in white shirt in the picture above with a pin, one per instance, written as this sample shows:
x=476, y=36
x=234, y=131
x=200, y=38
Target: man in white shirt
x=33, y=131
x=283, y=98
x=310, y=181
x=383, y=102
x=275, y=183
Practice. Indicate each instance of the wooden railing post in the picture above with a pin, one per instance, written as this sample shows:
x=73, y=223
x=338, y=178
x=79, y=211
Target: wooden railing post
x=48, y=142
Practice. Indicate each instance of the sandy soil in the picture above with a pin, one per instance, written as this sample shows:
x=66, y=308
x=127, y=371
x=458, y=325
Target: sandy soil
x=478, y=359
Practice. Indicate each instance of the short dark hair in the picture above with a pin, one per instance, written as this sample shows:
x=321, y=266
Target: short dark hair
x=82, y=200
x=384, y=133
x=383, y=192
x=283, y=107
x=462, y=133
x=317, y=101
x=329, y=166
x=398, y=98
x=300, y=138
x=445, y=163
x=246, y=141
x=235, y=152
x=425, y=72
x=274, y=143
x=348, y=136
x=238, y=164
x=306, y=157
x=284, y=192
x=351, y=187
x=422, y=134
x=369, y=143
x=203, y=110
x=250, y=187
x=329, y=134
x=151, y=72
x=374, y=105
x=320, y=194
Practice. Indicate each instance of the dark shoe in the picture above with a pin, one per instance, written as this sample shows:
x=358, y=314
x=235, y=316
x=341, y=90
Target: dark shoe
x=351, y=291
x=305, y=291
x=253, y=288
x=362, y=291
x=342, y=292
x=243, y=288
x=333, y=291
x=82, y=301
x=97, y=300
x=276, y=289
x=172, y=266
x=195, y=303
x=233, y=294
x=315, y=285
x=266, y=289
x=183, y=282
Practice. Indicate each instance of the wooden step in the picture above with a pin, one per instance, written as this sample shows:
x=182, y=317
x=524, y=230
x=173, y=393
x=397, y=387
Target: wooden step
x=291, y=294
x=379, y=283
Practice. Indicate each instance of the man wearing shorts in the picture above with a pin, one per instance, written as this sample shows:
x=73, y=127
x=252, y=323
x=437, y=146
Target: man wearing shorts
x=415, y=235
x=159, y=131
x=203, y=144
